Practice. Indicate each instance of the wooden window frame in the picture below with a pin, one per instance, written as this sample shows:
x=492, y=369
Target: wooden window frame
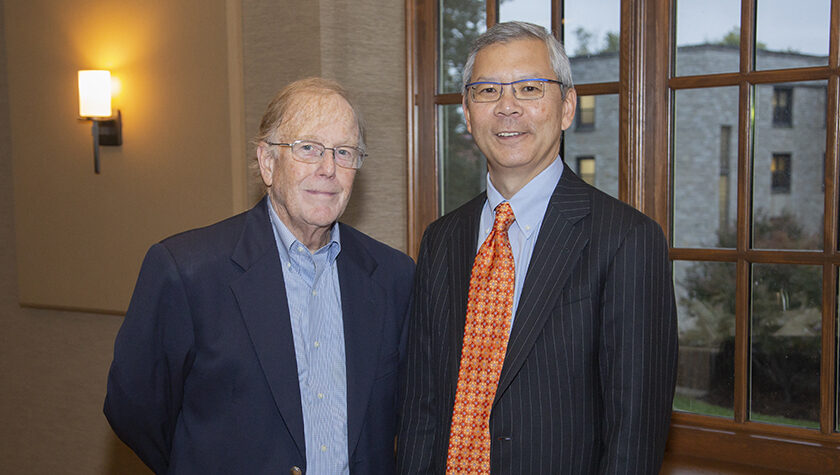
x=645, y=89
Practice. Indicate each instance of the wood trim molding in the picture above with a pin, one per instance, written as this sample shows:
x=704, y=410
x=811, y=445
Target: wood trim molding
x=422, y=168
x=411, y=129
x=754, y=444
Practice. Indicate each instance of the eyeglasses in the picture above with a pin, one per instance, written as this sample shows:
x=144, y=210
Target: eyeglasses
x=524, y=89
x=308, y=151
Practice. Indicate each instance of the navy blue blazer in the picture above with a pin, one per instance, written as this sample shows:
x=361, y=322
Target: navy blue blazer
x=204, y=377
x=588, y=378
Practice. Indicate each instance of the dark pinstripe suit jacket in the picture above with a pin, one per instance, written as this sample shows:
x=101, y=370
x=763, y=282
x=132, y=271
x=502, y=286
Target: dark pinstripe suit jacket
x=588, y=378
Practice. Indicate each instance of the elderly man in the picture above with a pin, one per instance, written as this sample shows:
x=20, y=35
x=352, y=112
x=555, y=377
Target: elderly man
x=542, y=338
x=269, y=342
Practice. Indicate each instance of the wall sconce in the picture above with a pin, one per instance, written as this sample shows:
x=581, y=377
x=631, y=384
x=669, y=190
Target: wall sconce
x=95, y=106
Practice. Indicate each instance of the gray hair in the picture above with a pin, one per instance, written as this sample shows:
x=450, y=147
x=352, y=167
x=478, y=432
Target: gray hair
x=278, y=109
x=288, y=101
x=519, y=30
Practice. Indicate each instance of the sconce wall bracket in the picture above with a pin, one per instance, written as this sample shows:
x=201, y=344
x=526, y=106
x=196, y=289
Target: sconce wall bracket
x=110, y=130
x=105, y=131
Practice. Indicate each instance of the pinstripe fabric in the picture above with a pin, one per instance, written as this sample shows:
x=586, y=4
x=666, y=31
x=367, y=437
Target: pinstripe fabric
x=588, y=379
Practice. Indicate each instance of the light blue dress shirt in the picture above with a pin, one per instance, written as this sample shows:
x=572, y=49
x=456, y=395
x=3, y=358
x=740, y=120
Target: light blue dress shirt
x=528, y=205
x=318, y=329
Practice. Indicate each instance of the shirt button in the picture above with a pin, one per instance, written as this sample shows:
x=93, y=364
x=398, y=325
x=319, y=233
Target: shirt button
x=300, y=248
x=289, y=265
x=320, y=395
x=527, y=228
x=314, y=292
x=323, y=448
x=317, y=344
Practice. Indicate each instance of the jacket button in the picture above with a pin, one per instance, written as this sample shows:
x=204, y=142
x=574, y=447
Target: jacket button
x=296, y=471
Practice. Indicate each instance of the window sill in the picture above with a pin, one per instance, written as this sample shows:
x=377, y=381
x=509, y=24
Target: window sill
x=707, y=441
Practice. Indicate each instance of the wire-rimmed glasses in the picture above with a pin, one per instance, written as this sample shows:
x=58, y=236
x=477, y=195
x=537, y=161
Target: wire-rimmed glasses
x=309, y=151
x=523, y=89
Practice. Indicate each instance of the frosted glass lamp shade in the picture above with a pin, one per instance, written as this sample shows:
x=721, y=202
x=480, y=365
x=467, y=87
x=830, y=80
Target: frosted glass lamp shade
x=95, y=93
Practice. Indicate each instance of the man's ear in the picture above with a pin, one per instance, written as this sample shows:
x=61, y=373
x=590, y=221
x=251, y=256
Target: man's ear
x=267, y=162
x=569, y=108
x=466, y=110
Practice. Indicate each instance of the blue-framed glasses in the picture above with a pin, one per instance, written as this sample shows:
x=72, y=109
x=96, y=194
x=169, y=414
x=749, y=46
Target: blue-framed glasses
x=523, y=89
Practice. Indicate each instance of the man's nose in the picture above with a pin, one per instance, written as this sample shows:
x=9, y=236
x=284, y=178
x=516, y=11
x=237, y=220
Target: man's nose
x=508, y=104
x=327, y=164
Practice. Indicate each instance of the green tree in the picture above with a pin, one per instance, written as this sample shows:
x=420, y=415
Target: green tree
x=777, y=288
x=733, y=38
x=785, y=326
x=612, y=42
x=583, y=38
x=585, y=45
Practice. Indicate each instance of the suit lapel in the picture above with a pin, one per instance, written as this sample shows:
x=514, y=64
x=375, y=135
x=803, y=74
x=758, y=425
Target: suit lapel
x=461, y=257
x=362, y=307
x=260, y=293
x=556, y=252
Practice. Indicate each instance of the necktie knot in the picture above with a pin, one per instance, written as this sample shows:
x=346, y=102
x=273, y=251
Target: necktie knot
x=504, y=217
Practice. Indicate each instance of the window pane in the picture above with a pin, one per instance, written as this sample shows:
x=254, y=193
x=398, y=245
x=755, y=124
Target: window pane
x=705, y=167
x=708, y=36
x=532, y=11
x=706, y=312
x=598, y=141
x=788, y=39
x=788, y=166
x=462, y=166
x=591, y=36
x=461, y=22
x=785, y=344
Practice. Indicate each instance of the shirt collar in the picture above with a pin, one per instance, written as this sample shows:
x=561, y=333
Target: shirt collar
x=286, y=241
x=530, y=202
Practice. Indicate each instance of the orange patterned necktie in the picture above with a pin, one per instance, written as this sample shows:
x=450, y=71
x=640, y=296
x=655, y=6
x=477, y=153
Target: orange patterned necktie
x=485, y=341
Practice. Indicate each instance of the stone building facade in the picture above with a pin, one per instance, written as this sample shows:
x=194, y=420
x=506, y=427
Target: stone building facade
x=788, y=142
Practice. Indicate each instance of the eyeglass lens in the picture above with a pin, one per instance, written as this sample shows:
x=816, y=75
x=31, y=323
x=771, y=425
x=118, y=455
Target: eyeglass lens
x=525, y=90
x=313, y=152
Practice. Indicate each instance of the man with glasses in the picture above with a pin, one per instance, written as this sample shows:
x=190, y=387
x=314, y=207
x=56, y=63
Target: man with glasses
x=542, y=336
x=269, y=342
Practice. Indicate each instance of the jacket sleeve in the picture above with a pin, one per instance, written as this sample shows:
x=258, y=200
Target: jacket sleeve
x=152, y=356
x=638, y=347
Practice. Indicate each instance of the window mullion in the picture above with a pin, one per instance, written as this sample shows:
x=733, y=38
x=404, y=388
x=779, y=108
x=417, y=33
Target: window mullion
x=557, y=18
x=492, y=16
x=828, y=374
x=743, y=312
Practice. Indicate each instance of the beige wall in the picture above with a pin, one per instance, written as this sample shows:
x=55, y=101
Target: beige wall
x=362, y=45
x=78, y=239
x=81, y=236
